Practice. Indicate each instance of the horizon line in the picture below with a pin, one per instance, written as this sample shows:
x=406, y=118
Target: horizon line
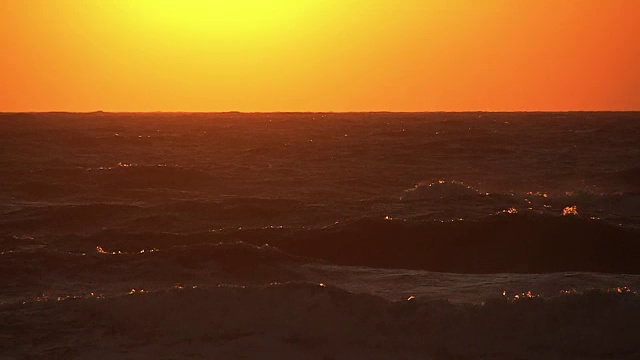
x=317, y=112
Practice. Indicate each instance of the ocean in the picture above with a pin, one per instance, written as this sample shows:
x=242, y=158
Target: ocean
x=320, y=235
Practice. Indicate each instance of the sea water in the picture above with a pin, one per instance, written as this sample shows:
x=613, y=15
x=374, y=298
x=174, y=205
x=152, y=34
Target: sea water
x=319, y=235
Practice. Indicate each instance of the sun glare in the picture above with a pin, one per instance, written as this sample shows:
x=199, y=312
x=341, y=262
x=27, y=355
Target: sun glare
x=239, y=19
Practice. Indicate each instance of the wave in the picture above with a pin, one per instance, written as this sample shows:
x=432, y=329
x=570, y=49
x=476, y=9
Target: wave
x=521, y=243
x=301, y=320
x=447, y=200
x=525, y=242
x=626, y=204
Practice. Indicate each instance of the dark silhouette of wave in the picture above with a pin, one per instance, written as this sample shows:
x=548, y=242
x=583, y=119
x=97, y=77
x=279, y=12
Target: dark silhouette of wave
x=516, y=243
x=521, y=243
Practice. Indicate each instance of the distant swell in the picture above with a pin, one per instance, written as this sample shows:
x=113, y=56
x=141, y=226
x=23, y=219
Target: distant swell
x=184, y=214
x=128, y=176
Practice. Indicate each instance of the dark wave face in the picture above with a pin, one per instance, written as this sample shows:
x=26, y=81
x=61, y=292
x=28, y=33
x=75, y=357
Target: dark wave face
x=501, y=243
x=513, y=235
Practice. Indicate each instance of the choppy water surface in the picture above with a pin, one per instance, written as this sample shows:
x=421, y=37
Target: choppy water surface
x=304, y=235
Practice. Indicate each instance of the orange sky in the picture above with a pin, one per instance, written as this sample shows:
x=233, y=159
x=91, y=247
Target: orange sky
x=297, y=55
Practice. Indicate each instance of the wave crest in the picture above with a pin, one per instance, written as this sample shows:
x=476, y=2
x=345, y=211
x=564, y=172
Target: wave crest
x=439, y=190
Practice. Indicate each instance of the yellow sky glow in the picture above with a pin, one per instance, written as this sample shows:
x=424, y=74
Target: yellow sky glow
x=348, y=55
